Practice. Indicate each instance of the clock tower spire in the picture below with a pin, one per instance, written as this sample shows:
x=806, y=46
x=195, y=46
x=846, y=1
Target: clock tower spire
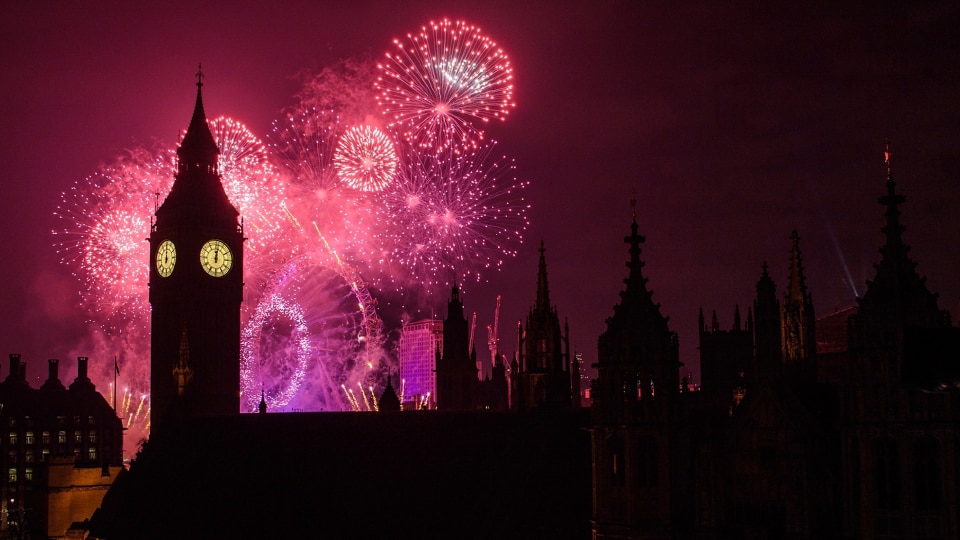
x=196, y=285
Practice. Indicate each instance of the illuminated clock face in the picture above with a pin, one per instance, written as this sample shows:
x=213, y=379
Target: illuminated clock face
x=216, y=258
x=166, y=258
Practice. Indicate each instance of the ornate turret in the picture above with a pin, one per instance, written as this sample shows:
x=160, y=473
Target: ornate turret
x=544, y=378
x=456, y=369
x=197, y=191
x=897, y=297
x=181, y=371
x=389, y=401
x=638, y=353
x=799, y=343
x=635, y=414
x=543, y=289
x=198, y=148
x=767, y=330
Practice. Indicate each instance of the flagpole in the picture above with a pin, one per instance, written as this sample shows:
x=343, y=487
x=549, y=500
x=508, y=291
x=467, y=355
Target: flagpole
x=115, y=371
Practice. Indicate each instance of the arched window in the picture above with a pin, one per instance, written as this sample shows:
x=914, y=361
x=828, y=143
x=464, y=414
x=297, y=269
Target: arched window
x=926, y=473
x=617, y=461
x=647, y=461
x=886, y=473
x=855, y=475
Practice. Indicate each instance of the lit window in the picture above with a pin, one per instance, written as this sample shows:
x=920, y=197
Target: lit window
x=62, y=437
x=77, y=436
x=43, y=455
x=92, y=453
x=13, y=438
x=29, y=437
x=12, y=474
x=28, y=474
x=92, y=436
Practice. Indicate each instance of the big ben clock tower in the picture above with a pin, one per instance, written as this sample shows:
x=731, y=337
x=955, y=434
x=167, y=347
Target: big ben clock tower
x=196, y=287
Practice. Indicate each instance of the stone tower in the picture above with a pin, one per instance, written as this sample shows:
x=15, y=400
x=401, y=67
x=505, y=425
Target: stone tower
x=799, y=343
x=543, y=378
x=457, y=366
x=196, y=286
x=635, y=427
x=898, y=429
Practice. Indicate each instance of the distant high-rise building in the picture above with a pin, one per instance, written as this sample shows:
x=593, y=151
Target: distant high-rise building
x=420, y=341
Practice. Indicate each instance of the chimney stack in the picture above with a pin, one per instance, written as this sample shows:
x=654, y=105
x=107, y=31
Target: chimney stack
x=53, y=369
x=14, y=366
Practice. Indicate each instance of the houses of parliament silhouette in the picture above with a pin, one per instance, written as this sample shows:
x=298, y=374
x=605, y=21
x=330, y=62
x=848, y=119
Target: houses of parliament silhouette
x=838, y=427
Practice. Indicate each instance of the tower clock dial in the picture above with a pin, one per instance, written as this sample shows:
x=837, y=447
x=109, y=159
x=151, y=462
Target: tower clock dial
x=216, y=258
x=166, y=258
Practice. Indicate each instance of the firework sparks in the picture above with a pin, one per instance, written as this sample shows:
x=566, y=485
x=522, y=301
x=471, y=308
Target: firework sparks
x=252, y=184
x=423, y=204
x=304, y=145
x=309, y=334
x=106, y=217
x=455, y=216
x=277, y=326
x=446, y=76
x=365, y=158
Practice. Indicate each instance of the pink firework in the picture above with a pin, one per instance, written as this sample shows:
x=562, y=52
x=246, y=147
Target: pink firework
x=365, y=158
x=304, y=145
x=252, y=184
x=441, y=80
x=452, y=217
x=106, y=219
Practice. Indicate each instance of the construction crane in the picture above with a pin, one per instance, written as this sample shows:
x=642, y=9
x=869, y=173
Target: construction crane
x=473, y=326
x=493, y=340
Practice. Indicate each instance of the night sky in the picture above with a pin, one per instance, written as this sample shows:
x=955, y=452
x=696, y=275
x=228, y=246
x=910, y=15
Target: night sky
x=732, y=125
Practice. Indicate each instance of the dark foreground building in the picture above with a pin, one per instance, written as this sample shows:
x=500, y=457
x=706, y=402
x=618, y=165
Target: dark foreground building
x=424, y=474
x=861, y=443
x=60, y=449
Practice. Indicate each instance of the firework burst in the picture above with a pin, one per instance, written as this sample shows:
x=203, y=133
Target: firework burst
x=365, y=158
x=252, y=184
x=441, y=80
x=420, y=204
x=106, y=218
x=305, y=144
x=454, y=216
